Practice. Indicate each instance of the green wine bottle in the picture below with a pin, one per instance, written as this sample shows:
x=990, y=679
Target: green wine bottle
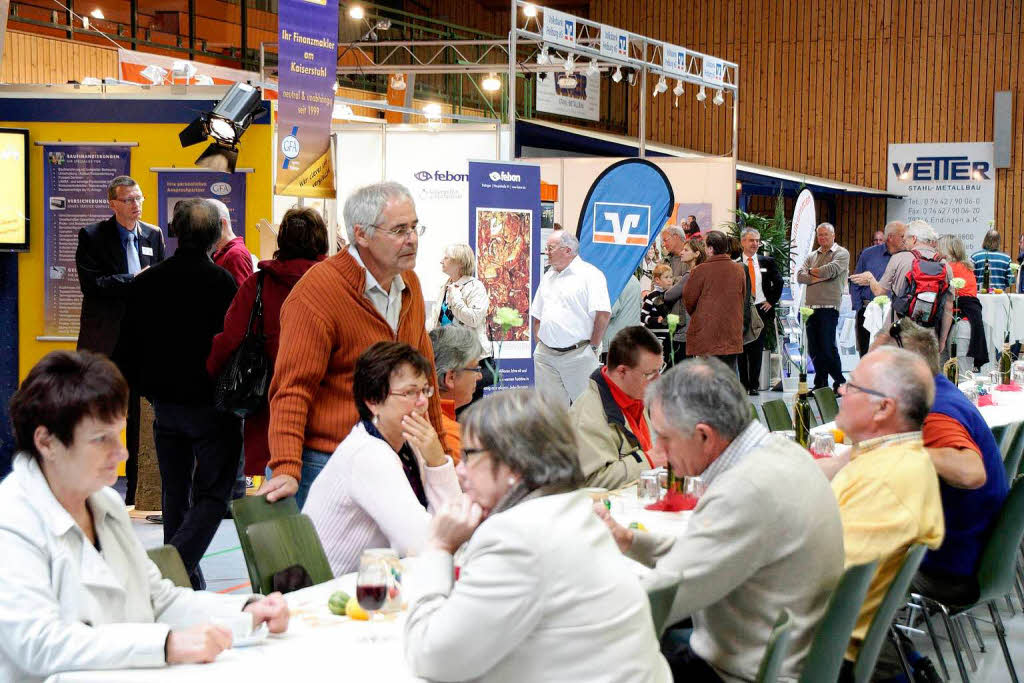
x=1006, y=361
x=986, y=277
x=802, y=413
x=952, y=367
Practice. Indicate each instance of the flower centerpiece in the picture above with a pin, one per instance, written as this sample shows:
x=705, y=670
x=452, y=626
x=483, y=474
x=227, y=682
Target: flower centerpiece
x=505, y=318
x=673, y=322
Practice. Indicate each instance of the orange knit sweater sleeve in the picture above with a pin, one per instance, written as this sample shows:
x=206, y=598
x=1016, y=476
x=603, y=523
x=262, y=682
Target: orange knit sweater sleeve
x=302, y=359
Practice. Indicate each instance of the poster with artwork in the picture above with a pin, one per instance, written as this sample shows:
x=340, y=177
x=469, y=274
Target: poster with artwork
x=504, y=231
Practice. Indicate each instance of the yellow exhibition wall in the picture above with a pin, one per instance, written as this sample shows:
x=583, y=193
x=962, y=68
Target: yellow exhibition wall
x=158, y=147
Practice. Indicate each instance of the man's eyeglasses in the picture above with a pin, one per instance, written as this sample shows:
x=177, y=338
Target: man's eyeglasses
x=655, y=373
x=401, y=232
x=896, y=333
x=871, y=392
x=131, y=200
x=477, y=371
x=426, y=392
x=551, y=250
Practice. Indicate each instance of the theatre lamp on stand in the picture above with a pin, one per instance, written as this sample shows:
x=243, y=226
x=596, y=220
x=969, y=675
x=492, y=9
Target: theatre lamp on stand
x=225, y=124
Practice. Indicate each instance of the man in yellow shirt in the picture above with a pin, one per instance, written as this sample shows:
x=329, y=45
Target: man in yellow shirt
x=888, y=494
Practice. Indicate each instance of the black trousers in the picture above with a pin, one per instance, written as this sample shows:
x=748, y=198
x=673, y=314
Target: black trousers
x=131, y=438
x=197, y=449
x=863, y=336
x=687, y=666
x=821, y=346
x=750, y=360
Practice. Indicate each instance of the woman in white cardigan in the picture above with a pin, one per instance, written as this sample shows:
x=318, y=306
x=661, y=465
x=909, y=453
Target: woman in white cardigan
x=463, y=300
x=542, y=592
x=77, y=590
x=390, y=473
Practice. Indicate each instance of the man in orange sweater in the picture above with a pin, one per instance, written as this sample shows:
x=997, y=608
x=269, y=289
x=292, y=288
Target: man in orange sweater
x=365, y=294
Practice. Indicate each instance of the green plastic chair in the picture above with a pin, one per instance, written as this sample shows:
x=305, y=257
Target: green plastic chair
x=1012, y=447
x=168, y=561
x=996, y=576
x=753, y=413
x=776, y=415
x=833, y=635
x=997, y=432
x=281, y=543
x=249, y=510
x=828, y=406
x=776, y=650
x=661, y=600
x=895, y=598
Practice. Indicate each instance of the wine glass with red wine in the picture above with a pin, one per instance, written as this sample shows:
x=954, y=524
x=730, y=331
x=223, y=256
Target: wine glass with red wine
x=372, y=584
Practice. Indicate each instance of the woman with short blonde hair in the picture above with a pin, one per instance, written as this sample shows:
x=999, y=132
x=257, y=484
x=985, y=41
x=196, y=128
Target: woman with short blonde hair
x=463, y=300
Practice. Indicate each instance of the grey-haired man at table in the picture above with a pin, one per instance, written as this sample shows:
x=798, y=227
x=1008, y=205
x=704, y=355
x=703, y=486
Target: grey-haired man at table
x=732, y=580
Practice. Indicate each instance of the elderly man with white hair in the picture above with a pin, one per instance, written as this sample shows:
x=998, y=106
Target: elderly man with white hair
x=919, y=241
x=341, y=306
x=231, y=253
x=750, y=550
x=570, y=313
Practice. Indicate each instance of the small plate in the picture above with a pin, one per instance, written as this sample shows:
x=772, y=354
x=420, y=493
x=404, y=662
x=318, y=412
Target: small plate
x=258, y=635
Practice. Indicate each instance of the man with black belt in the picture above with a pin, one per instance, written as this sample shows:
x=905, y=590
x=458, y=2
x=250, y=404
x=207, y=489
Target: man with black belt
x=766, y=288
x=570, y=314
x=824, y=272
x=109, y=256
x=874, y=259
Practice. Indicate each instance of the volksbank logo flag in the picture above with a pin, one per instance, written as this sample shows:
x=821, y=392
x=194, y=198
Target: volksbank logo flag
x=624, y=211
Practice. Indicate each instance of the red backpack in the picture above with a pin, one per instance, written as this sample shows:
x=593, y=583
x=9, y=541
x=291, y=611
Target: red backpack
x=925, y=292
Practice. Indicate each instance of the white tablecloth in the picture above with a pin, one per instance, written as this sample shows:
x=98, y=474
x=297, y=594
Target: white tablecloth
x=995, y=416
x=317, y=646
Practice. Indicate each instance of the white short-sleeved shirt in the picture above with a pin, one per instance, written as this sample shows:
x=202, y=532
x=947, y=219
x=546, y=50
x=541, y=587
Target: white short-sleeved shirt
x=566, y=303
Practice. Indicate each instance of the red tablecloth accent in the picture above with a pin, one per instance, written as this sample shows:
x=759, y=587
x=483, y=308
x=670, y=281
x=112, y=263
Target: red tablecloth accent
x=673, y=501
x=985, y=400
x=1008, y=387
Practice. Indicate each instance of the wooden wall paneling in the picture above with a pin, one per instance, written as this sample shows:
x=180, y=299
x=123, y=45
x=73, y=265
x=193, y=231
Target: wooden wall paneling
x=31, y=58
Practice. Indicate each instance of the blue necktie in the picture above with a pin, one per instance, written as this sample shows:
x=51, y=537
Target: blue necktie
x=133, y=256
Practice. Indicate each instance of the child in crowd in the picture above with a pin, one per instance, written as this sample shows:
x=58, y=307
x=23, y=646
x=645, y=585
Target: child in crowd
x=655, y=311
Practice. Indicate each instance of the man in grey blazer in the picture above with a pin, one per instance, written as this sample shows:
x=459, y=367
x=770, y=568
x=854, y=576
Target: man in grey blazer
x=752, y=548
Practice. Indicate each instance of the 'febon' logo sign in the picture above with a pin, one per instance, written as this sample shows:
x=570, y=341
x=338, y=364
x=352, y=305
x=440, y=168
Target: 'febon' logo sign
x=941, y=168
x=497, y=176
x=443, y=176
x=622, y=224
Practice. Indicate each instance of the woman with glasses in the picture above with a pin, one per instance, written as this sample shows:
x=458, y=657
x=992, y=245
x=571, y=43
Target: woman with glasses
x=383, y=482
x=542, y=594
x=463, y=301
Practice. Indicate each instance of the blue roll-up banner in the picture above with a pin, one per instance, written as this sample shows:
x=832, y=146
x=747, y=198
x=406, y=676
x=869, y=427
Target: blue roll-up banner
x=625, y=210
x=504, y=232
x=173, y=186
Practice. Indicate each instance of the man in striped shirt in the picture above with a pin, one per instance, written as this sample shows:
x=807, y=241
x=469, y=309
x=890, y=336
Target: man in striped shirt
x=998, y=262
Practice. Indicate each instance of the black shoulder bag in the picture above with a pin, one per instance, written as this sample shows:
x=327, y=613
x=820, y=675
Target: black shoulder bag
x=245, y=381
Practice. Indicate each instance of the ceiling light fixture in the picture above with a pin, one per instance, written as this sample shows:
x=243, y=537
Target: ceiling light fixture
x=543, y=59
x=678, y=90
x=398, y=82
x=701, y=95
x=529, y=10
x=432, y=110
x=570, y=64
x=97, y=14
x=491, y=83
x=356, y=12
x=719, y=97
x=154, y=74
x=617, y=75
x=592, y=69
x=661, y=87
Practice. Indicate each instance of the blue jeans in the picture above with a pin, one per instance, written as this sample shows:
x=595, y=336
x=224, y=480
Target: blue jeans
x=313, y=462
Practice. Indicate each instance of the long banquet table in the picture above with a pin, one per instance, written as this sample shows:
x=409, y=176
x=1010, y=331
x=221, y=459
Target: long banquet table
x=322, y=646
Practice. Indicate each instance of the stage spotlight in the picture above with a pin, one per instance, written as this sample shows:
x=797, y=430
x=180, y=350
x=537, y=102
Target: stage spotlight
x=154, y=74
x=543, y=59
x=719, y=97
x=225, y=124
x=617, y=76
x=661, y=87
x=701, y=95
x=183, y=69
x=398, y=82
x=678, y=90
x=592, y=69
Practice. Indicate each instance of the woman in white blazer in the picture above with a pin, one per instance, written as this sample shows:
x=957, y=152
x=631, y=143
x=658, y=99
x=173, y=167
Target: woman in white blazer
x=463, y=300
x=77, y=590
x=542, y=592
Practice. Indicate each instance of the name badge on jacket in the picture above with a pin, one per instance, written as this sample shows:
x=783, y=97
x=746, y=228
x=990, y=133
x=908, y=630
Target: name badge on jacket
x=147, y=251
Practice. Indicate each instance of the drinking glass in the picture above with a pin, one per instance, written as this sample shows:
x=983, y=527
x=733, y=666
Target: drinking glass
x=694, y=487
x=648, y=490
x=971, y=394
x=372, y=585
x=1017, y=373
x=823, y=445
x=995, y=378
